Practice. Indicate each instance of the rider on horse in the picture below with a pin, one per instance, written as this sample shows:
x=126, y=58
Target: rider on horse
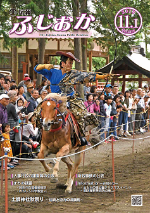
x=62, y=81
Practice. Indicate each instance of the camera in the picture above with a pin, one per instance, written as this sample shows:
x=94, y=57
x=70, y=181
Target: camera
x=23, y=115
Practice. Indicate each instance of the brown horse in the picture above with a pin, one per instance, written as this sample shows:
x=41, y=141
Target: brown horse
x=56, y=137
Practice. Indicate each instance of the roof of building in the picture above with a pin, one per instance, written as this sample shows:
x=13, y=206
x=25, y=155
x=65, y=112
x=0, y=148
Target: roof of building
x=135, y=61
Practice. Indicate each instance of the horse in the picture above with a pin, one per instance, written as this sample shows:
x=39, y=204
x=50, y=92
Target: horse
x=56, y=137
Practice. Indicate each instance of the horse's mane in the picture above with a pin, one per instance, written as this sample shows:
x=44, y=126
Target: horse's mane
x=58, y=97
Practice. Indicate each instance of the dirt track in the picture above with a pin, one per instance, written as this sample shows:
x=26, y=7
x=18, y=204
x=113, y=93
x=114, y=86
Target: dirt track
x=132, y=171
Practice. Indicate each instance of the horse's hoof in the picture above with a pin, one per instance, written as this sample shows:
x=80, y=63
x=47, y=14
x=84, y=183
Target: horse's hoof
x=68, y=191
x=61, y=186
x=54, y=180
x=47, y=169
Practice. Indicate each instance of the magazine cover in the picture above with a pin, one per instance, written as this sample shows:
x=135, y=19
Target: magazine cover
x=74, y=106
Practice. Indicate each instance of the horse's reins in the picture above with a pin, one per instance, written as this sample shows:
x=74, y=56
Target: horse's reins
x=57, y=115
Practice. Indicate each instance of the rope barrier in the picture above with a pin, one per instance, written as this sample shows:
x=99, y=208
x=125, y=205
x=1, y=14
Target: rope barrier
x=63, y=156
x=96, y=116
x=117, y=127
x=73, y=153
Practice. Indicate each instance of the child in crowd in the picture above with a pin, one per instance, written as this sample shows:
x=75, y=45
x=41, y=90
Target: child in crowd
x=114, y=116
x=102, y=116
x=19, y=105
x=107, y=107
x=7, y=144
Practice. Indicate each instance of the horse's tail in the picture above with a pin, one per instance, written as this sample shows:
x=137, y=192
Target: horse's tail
x=95, y=137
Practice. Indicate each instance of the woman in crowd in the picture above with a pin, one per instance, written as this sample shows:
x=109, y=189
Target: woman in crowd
x=93, y=89
x=91, y=106
x=126, y=111
x=30, y=132
x=114, y=115
x=43, y=85
x=14, y=87
x=132, y=115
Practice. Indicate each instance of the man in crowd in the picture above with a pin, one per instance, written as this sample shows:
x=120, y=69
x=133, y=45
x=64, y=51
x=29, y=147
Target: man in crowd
x=29, y=91
x=86, y=90
x=33, y=101
x=48, y=88
x=139, y=93
x=140, y=109
x=108, y=91
x=42, y=96
x=146, y=89
x=134, y=93
x=22, y=82
x=4, y=101
x=1, y=84
x=6, y=86
x=26, y=81
x=115, y=90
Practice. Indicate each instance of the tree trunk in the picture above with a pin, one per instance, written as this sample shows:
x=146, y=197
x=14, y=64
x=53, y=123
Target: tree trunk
x=78, y=66
x=145, y=42
x=14, y=53
x=78, y=49
x=41, y=52
x=42, y=42
x=84, y=53
x=15, y=63
x=84, y=40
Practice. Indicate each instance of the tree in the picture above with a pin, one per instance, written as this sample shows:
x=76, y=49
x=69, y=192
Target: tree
x=6, y=23
x=77, y=48
x=110, y=8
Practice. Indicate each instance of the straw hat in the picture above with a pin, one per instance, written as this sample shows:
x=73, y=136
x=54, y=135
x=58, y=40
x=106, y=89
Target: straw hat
x=68, y=55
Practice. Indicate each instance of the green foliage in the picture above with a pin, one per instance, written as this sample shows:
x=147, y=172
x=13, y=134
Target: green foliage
x=60, y=8
x=110, y=8
x=132, y=84
x=55, y=60
x=98, y=63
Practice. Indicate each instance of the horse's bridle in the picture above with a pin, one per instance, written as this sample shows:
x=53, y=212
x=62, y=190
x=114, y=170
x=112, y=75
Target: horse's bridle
x=56, y=115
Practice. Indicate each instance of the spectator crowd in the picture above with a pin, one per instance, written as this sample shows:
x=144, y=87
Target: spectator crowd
x=119, y=114
x=115, y=111
x=17, y=119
